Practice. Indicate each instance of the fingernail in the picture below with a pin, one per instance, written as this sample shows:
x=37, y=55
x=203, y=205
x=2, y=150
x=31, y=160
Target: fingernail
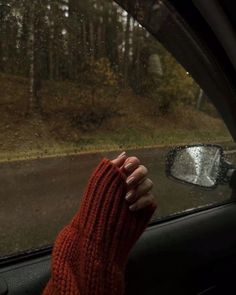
x=128, y=196
x=127, y=166
x=132, y=207
x=130, y=180
x=122, y=155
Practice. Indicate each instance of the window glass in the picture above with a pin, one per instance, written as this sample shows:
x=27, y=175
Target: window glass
x=81, y=80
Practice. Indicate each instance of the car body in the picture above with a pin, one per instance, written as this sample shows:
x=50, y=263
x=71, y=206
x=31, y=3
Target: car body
x=191, y=252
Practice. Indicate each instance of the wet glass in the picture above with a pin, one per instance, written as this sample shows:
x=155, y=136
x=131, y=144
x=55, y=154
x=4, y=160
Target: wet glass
x=82, y=80
x=198, y=165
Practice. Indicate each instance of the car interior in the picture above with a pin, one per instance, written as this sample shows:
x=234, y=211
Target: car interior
x=191, y=252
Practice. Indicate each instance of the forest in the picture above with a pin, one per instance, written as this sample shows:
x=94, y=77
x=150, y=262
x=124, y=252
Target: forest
x=73, y=71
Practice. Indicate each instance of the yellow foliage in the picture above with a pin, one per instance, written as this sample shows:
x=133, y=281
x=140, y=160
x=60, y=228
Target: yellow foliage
x=98, y=97
x=101, y=73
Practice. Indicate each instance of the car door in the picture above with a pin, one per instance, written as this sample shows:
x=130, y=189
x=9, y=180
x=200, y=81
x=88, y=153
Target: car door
x=189, y=246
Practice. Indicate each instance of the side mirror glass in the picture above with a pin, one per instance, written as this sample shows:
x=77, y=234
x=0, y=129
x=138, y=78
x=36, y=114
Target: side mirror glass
x=197, y=164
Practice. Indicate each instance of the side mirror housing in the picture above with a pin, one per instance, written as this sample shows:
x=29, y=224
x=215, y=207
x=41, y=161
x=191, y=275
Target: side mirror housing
x=201, y=165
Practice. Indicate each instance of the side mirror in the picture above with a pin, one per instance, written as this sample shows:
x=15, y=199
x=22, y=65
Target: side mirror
x=200, y=165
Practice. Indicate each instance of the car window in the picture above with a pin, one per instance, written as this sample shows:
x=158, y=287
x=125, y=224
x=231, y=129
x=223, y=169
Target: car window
x=82, y=80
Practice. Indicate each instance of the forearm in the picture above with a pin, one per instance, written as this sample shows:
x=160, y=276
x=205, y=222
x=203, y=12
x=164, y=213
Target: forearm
x=90, y=254
x=78, y=268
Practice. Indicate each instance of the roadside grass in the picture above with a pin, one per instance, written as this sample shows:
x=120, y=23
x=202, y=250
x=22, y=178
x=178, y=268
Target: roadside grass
x=134, y=127
x=119, y=141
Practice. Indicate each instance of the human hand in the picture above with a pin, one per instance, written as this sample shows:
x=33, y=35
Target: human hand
x=139, y=185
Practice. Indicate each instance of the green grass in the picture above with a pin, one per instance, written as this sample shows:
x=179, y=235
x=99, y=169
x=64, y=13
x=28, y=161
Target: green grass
x=54, y=134
x=115, y=141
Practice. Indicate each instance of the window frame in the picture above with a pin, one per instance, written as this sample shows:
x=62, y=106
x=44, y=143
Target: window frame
x=208, y=64
x=226, y=89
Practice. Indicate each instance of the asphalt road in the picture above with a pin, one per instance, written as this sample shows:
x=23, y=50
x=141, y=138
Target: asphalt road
x=38, y=197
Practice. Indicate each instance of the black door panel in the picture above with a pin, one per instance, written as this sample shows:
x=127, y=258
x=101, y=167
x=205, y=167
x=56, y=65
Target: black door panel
x=28, y=277
x=188, y=255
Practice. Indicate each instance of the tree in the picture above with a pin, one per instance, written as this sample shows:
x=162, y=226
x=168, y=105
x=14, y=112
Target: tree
x=63, y=39
x=127, y=49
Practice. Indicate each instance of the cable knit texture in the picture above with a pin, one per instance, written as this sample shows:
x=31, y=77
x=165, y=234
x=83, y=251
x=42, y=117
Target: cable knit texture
x=90, y=254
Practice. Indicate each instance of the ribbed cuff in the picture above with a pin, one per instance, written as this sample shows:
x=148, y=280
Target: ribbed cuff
x=104, y=216
x=105, y=189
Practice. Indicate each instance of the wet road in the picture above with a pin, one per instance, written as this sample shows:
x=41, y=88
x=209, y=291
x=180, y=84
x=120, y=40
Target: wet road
x=38, y=197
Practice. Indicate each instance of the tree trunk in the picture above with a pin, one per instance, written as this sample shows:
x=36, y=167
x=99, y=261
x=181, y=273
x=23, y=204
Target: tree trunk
x=34, y=103
x=100, y=42
x=137, y=57
x=127, y=50
x=51, y=42
x=91, y=37
x=84, y=39
x=3, y=36
x=201, y=100
x=2, y=40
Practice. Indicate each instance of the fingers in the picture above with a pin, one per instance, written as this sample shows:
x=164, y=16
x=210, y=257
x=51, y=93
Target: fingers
x=141, y=197
x=139, y=186
x=141, y=190
x=120, y=160
x=143, y=202
x=127, y=164
x=130, y=165
x=137, y=176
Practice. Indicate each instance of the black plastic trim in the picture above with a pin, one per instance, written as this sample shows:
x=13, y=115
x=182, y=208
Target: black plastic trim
x=25, y=256
x=30, y=254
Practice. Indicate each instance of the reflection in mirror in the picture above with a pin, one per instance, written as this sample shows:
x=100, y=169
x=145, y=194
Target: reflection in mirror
x=198, y=165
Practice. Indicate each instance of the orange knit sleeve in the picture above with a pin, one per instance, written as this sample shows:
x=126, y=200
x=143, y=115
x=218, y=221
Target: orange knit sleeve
x=90, y=254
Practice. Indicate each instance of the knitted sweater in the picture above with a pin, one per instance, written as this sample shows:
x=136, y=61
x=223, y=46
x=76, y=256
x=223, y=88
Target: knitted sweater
x=90, y=254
